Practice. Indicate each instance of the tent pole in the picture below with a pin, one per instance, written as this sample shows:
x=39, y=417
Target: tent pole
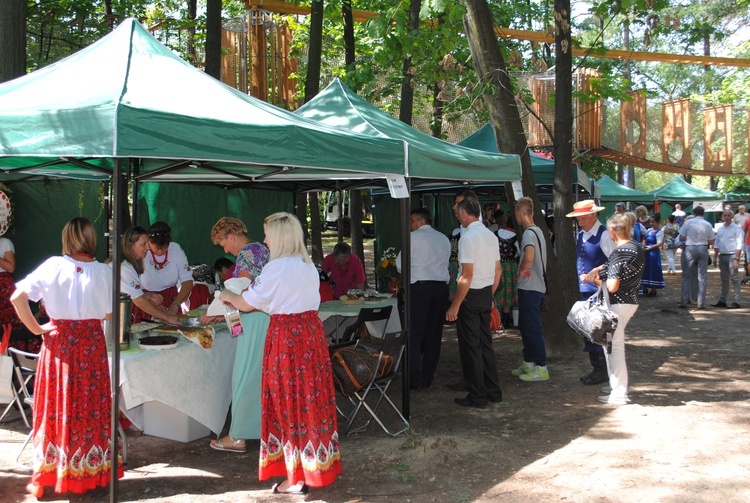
x=405, y=282
x=114, y=326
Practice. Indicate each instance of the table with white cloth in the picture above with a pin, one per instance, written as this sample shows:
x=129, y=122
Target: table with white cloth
x=342, y=315
x=181, y=393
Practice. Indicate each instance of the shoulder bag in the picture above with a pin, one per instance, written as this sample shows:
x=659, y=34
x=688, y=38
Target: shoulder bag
x=593, y=319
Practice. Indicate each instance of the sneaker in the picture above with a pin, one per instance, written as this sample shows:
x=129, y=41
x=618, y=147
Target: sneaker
x=609, y=399
x=734, y=305
x=720, y=303
x=537, y=374
x=525, y=368
x=606, y=389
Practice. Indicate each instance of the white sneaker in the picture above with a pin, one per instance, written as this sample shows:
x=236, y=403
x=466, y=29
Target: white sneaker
x=609, y=399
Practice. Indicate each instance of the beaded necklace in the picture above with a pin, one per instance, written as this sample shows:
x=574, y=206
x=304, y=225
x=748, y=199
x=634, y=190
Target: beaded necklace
x=160, y=265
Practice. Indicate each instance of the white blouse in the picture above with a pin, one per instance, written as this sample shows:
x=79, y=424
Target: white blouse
x=6, y=245
x=130, y=282
x=286, y=285
x=71, y=290
x=174, y=272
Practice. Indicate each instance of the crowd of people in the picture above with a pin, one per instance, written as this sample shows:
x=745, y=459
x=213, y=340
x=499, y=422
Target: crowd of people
x=483, y=265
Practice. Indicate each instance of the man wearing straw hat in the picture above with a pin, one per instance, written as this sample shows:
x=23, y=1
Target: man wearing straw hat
x=593, y=246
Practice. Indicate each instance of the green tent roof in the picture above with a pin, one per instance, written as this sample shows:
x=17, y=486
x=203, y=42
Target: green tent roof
x=128, y=96
x=543, y=168
x=610, y=190
x=429, y=158
x=679, y=190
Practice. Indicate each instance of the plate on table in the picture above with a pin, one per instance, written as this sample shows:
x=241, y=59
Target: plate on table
x=158, y=342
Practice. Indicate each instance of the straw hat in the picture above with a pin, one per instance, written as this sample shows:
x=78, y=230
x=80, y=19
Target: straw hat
x=584, y=208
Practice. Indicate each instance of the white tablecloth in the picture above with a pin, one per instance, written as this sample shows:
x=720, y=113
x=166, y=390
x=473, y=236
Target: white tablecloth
x=188, y=378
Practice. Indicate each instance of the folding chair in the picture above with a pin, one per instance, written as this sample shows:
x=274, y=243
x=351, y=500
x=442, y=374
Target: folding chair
x=377, y=316
x=392, y=344
x=24, y=366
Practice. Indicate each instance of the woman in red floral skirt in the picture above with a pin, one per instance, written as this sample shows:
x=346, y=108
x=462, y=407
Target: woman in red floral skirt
x=72, y=401
x=299, y=430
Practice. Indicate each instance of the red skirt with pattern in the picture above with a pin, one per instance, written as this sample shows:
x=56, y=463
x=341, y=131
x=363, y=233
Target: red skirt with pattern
x=299, y=429
x=73, y=409
x=7, y=312
x=169, y=295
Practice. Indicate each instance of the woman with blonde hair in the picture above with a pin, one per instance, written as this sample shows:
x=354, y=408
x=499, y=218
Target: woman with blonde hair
x=231, y=234
x=71, y=433
x=299, y=429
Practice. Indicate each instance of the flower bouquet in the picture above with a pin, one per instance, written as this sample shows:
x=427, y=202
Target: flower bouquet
x=386, y=268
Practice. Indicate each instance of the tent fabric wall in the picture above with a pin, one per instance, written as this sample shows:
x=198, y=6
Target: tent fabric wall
x=191, y=223
x=40, y=211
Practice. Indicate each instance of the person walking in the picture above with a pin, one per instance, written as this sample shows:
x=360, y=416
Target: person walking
x=653, y=277
x=531, y=290
x=727, y=253
x=697, y=234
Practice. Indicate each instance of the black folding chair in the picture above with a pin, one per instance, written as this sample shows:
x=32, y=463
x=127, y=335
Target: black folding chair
x=392, y=345
x=377, y=316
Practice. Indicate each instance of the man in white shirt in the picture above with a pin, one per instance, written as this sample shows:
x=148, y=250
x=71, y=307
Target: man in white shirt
x=727, y=252
x=740, y=218
x=697, y=234
x=679, y=215
x=479, y=256
x=430, y=252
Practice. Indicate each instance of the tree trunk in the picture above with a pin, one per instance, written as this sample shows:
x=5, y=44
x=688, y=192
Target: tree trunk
x=349, y=47
x=300, y=210
x=12, y=39
x=628, y=172
x=192, y=14
x=506, y=121
x=436, y=129
x=562, y=196
x=312, y=87
x=316, y=229
x=406, y=109
x=212, y=63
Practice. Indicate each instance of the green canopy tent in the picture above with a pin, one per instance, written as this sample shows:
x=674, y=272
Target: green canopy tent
x=434, y=164
x=543, y=168
x=611, y=193
x=678, y=190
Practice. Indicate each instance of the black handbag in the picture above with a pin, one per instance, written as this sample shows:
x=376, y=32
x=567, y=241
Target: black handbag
x=593, y=319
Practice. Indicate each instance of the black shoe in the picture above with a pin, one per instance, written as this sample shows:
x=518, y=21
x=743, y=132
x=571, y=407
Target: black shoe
x=468, y=402
x=587, y=376
x=734, y=305
x=720, y=303
x=596, y=377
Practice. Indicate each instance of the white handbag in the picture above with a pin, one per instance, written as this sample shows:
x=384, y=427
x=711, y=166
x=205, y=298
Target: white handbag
x=593, y=319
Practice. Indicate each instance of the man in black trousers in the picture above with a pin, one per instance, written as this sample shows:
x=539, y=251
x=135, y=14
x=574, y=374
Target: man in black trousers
x=430, y=252
x=479, y=257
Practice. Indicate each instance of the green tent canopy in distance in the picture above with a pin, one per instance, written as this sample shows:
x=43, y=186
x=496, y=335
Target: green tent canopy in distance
x=678, y=190
x=543, y=168
x=129, y=96
x=611, y=191
x=429, y=159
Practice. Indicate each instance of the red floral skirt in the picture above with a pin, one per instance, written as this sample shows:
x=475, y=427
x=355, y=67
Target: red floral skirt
x=7, y=311
x=72, y=409
x=299, y=430
x=169, y=295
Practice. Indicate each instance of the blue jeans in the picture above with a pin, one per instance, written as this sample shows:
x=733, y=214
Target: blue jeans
x=530, y=325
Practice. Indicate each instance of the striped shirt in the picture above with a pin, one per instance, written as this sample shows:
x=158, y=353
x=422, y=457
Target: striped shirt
x=626, y=264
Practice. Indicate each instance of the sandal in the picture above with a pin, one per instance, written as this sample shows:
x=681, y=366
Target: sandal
x=299, y=492
x=234, y=446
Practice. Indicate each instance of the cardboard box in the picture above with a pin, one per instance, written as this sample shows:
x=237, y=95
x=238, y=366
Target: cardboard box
x=162, y=421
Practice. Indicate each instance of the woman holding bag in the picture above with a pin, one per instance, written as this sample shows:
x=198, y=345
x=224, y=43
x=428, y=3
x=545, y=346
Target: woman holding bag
x=622, y=275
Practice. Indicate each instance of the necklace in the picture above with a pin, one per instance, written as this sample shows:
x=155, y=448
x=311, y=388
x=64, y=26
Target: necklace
x=84, y=254
x=160, y=265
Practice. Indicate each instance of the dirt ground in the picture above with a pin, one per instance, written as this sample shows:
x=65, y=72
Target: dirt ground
x=683, y=438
